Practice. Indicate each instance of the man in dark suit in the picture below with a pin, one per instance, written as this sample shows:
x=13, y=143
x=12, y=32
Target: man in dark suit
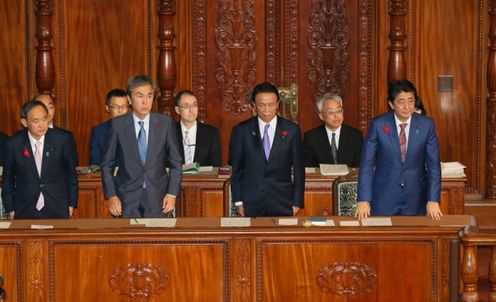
x=200, y=142
x=266, y=150
x=39, y=176
x=141, y=143
x=400, y=170
x=3, y=139
x=333, y=142
x=116, y=104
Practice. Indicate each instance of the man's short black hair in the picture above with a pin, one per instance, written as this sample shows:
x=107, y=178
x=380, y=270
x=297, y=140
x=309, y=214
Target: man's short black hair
x=395, y=87
x=264, y=87
x=180, y=94
x=117, y=92
x=26, y=107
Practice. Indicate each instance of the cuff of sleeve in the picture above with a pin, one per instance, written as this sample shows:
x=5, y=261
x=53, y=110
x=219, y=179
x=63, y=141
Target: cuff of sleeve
x=238, y=203
x=171, y=195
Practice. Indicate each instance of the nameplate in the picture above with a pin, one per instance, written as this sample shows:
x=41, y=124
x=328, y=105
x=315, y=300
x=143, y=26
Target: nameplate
x=235, y=222
x=349, y=223
x=5, y=224
x=287, y=221
x=154, y=222
x=41, y=226
x=377, y=221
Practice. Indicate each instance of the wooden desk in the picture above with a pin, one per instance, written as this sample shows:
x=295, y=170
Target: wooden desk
x=203, y=195
x=416, y=259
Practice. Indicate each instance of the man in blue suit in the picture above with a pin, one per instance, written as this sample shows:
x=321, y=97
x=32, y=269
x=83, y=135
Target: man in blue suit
x=266, y=151
x=141, y=143
x=400, y=170
x=116, y=104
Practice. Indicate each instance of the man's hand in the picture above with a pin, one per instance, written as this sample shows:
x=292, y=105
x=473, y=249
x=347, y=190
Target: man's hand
x=71, y=211
x=362, y=210
x=241, y=210
x=295, y=210
x=115, y=206
x=169, y=203
x=433, y=210
x=11, y=215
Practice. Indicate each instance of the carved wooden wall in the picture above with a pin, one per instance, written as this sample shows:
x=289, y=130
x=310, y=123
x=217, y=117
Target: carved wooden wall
x=221, y=48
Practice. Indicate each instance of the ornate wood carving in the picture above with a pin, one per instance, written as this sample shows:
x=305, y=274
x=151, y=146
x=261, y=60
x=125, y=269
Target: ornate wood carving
x=328, y=41
x=35, y=274
x=365, y=65
x=45, y=71
x=397, y=37
x=200, y=55
x=491, y=106
x=166, y=68
x=346, y=278
x=235, y=37
x=289, y=102
x=470, y=274
x=272, y=38
x=242, y=274
x=139, y=281
x=291, y=42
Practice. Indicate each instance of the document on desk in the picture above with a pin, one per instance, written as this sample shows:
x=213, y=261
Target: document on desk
x=5, y=224
x=334, y=170
x=154, y=222
x=41, y=226
x=349, y=223
x=377, y=221
x=287, y=221
x=235, y=222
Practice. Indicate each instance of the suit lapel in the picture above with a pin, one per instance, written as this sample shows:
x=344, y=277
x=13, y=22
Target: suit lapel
x=200, y=136
x=155, y=128
x=394, y=137
x=325, y=145
x=47, y=152
x=26, y=146
x=130, y=135
x=180, y=139
x=413, y=138
x=257, y=137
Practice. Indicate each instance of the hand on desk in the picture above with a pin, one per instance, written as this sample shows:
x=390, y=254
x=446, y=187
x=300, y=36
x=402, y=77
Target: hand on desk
x=433, y=210
x=168, y=204
x=362, y=210
x=241, y=210
x=115, y=206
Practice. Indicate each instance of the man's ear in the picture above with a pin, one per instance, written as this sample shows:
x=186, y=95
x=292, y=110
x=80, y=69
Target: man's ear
x=129, y=100
x=24, y=122
x=107, y=108
x=321, y=117
x=177, y=110
x=390, y=105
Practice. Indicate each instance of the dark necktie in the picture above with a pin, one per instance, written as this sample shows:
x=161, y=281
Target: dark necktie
x=334, y=149
x=266, y=141
x=403, y=141
x=38, y=158
x=142, y=142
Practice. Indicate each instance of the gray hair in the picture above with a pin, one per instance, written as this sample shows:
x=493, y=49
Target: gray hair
x=328, y=96
x=138, y=81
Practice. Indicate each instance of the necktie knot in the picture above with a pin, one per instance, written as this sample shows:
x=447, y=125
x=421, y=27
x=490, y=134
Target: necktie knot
x=403, y=126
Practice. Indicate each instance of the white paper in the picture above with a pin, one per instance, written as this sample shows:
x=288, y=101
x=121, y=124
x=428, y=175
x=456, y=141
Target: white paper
x=155, y=222
x=330, y=222
x=41, y=226
x=206, y=169
x=287, y=221
x=377, y=221
x=5, y=224
x=310, y=170
x=235, y=222
x=349, y=223
x=333, y=170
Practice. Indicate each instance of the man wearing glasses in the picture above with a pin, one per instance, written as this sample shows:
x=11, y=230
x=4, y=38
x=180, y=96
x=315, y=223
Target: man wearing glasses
x=116, y=104
x=268, y=176
x=333, y=142
x=201, y=143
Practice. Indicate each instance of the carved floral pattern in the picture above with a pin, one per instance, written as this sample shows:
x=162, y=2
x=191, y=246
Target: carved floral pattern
x=346, y=278
x=328, y=41
x=491, y=106
x=138, y=281
x=235, y=37
x=243, y=276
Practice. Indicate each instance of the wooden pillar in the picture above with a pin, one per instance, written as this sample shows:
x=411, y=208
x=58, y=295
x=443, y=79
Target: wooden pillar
x=491, y=106
x=470, y=274
x=397, y=39
x=166, y=69
x=45, y=71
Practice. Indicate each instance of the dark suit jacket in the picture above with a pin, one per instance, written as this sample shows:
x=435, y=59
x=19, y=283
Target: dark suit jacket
x=207, y=148
x=3, y=140
x=121, y=151
x=58, y=182
x=394, y=187
x=97, y=142
x=266, y=187
x=317, y=149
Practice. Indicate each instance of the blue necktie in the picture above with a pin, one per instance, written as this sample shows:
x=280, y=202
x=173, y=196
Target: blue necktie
x=142, y=142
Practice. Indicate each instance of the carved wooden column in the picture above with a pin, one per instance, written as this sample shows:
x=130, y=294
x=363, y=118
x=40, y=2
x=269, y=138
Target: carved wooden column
x=166, y=69
x=491, y=106
x=470, y=274
x=45, y=71
x=397, y=38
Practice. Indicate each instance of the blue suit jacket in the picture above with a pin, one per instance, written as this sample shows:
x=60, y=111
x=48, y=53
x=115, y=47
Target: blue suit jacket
x=97, y=142
x=266, y=187
x=392, y=186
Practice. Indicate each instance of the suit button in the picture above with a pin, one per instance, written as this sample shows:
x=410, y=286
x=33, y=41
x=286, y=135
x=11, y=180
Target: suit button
x=42, y=185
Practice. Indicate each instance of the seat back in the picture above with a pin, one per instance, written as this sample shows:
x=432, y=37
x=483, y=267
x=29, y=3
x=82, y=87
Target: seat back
x=345, y=194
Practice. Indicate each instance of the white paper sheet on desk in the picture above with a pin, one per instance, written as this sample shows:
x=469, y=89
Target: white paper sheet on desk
x=206, y=169
x=334, y=170
x=155, y=222
x=41, y=226
x=235, y=222
x=349, y=223
x=377, y=221
x=287, y=221
x=5, y=224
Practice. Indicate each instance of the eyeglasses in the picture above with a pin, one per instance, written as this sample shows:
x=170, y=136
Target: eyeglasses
x=117, y=107
x=334, y=113
x=189, y=106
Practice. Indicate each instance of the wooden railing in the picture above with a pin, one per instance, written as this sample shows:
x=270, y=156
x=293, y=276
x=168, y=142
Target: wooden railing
x=470, y=273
